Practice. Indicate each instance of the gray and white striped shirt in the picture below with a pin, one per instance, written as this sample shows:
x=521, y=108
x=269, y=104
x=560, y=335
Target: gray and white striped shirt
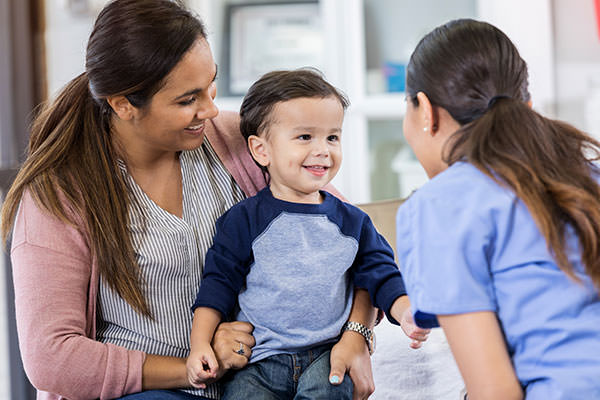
x=170, y=251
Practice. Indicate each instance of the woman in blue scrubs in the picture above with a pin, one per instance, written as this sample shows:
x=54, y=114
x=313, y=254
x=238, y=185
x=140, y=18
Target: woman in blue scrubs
x=501, y=248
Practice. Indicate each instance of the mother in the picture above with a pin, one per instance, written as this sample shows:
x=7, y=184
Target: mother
x=115, y=208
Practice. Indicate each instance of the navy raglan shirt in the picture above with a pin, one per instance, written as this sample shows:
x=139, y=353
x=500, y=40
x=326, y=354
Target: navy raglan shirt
x=292, y=267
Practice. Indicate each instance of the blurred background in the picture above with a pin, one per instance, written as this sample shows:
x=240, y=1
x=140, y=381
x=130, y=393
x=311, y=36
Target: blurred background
x=362, y=46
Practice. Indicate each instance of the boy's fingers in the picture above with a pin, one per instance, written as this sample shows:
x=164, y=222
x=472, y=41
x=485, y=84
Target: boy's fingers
x=199, y=385
x=213, y=366
x=421, y=337
x=196, y=381
x=197, y=372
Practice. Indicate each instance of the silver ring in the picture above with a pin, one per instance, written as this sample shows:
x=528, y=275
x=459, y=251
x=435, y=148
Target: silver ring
x=241, y=350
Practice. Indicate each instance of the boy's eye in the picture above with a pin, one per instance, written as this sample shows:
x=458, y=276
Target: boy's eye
x=304, y=137
x=187, y=102
x=333, y=138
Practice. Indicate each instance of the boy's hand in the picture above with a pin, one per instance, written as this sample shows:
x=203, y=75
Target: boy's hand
x=401, y=312
x=418, y=335
x=202, y=366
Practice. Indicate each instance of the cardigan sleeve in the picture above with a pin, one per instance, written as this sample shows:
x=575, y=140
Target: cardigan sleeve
x=52, y=271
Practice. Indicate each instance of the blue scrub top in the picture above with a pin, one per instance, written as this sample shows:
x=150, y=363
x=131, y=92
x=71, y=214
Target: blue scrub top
x=467, y=244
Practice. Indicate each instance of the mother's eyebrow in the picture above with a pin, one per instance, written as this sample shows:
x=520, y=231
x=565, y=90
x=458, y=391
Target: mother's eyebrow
x=197, y=90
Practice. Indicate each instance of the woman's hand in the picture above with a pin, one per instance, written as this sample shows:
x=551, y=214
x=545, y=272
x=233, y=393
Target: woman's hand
x=232, y=344
x=351, y=355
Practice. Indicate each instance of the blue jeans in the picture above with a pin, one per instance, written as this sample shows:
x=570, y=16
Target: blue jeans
x=299, y=376
x=162, y=395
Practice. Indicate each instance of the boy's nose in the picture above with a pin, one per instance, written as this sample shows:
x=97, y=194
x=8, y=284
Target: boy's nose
x=321, y=149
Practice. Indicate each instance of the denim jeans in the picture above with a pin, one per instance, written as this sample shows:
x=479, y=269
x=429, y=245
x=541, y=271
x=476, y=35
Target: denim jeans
x=299, y=376
x=162, y=395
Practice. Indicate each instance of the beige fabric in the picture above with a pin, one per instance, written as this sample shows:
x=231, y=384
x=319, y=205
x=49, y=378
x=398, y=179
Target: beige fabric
x=383, y=215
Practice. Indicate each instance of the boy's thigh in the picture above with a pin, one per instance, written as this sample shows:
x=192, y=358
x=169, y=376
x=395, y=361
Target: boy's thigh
x=268, y=379
x=162, y=395
x=314, y=384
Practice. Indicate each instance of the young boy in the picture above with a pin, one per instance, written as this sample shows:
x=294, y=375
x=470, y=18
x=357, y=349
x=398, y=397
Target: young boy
x=292, y=254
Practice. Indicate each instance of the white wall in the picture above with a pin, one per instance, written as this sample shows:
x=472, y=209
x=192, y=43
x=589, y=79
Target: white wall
x=577, y=64
x=529, y=25
x=66, y=38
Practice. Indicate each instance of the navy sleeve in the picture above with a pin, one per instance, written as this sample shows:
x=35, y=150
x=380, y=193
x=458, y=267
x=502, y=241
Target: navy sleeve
x=227, y=262
x=375, y=269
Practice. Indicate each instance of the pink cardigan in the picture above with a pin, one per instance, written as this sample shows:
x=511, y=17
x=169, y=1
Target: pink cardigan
x=56, y=286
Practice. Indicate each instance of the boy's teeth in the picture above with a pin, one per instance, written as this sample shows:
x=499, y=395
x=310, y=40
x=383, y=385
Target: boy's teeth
x=194, y=127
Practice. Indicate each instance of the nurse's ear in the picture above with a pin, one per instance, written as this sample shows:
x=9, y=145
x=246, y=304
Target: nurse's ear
x=436, y=120
x=427, y=114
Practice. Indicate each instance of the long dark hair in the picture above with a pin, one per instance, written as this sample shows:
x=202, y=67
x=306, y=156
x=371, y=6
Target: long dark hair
x=71, y=169
x=473, y=70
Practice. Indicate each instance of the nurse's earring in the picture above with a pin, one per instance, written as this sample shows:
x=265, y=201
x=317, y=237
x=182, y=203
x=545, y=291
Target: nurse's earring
x=425, y=129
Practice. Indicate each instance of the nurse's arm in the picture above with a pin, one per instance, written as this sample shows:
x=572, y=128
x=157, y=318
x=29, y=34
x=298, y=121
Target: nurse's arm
x=479, y=348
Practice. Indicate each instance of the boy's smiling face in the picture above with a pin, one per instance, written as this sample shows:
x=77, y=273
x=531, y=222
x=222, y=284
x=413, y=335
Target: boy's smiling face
x=301, y=147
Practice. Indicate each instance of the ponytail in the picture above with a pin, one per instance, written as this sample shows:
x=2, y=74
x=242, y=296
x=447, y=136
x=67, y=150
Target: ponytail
x=53, y=134
x=71, y=171
x=550, y=167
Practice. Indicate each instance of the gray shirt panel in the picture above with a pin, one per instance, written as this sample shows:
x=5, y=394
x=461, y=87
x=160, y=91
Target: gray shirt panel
x=298, y=292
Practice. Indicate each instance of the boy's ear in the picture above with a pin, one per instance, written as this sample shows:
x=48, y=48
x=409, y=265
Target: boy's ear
x=121, y=106
x=258, y=149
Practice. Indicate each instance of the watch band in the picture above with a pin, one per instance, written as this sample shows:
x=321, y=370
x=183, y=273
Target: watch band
x=367, y=333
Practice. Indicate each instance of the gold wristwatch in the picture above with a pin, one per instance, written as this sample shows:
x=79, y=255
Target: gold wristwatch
x=367, y=333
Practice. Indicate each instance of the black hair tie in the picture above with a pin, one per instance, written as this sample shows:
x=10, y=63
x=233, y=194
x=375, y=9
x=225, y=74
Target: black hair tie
x=494, y=99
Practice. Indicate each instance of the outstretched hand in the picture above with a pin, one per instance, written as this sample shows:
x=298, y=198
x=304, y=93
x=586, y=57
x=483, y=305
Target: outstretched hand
x=401, y=312
x=418, y=335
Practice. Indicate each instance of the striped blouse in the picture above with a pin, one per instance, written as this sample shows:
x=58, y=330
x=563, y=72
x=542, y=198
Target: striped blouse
x=170, y=251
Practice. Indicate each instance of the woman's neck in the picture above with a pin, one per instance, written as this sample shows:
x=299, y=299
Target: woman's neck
x=156, y=172
x=139, y=155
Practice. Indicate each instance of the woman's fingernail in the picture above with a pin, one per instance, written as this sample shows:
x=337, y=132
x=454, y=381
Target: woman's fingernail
x=334, y=379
